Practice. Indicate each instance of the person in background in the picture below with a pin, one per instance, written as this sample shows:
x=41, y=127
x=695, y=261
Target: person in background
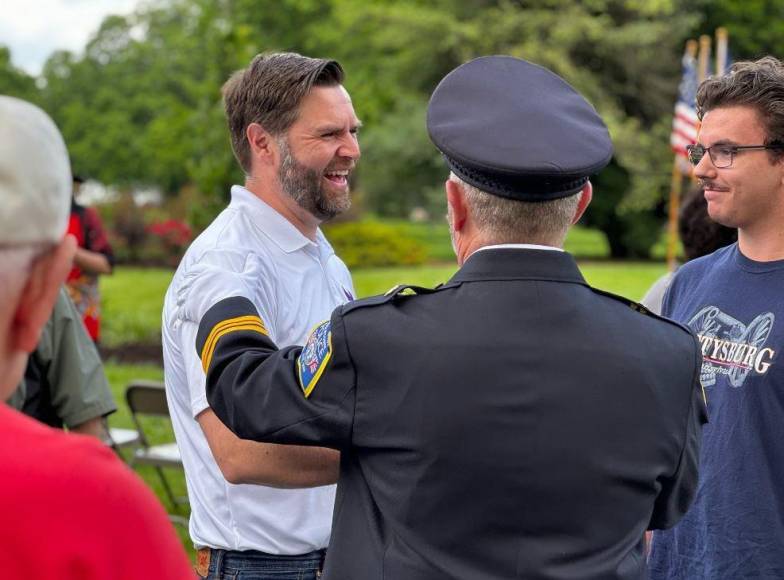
x=732, y=299
x=93, y=258
x=64, y=383
x=699, y=236
x=71, y=509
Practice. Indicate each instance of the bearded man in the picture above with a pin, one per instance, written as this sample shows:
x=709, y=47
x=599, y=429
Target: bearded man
x=294, y=133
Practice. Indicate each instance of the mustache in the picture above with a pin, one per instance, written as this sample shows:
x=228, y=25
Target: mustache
x=707, y=184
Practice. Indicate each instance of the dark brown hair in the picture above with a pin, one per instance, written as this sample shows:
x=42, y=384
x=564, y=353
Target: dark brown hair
x=758, y=84
x=269, y=92
x=699, y=234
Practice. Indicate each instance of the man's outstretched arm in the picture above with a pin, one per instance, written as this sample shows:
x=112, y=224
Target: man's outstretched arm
x=284, y=466
x=293, y=395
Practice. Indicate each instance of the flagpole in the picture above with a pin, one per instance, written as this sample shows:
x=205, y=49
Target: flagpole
x=676, y=186
x=704, y=58
x=722, y=42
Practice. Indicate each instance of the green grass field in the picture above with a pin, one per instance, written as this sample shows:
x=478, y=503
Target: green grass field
x=581, y=241
x=133, y=297
x=159, y=431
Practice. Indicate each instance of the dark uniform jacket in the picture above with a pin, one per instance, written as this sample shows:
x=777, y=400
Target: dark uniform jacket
x=513, y=423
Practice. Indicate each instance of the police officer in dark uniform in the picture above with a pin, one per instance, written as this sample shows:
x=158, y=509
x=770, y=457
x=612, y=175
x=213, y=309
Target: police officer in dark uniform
x=512, y=423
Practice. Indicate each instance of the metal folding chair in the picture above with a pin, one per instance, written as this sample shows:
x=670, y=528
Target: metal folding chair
x=148, y=398
x=120, y=438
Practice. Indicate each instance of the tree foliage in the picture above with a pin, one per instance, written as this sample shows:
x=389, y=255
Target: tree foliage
x=141, y=105
x=755, y=27
x=14, y=81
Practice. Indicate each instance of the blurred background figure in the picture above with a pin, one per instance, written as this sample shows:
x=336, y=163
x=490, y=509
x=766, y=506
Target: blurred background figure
x=699, y=235
x=64, y=384
x=93, y=258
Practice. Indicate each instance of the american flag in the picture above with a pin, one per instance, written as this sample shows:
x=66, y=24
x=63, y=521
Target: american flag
x=685, y=123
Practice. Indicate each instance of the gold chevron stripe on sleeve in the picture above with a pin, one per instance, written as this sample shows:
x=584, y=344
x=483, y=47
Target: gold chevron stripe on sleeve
x=225, y=327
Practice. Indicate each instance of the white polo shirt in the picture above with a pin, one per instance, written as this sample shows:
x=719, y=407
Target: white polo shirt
x=295, y=284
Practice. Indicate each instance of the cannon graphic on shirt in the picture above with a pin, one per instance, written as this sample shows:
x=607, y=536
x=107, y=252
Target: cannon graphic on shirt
x=731, y=348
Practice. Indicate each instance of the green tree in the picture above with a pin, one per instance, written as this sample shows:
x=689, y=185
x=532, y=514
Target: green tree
x=142, y=105
x=14, y=81
x=755, y=27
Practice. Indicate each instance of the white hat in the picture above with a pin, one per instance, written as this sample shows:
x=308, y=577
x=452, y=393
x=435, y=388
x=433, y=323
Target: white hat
x=35, y=175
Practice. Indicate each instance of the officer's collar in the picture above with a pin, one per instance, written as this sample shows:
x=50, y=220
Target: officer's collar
x=519, y=264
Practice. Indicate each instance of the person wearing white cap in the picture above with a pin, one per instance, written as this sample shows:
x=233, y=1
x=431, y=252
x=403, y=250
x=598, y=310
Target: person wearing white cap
x=71, y=509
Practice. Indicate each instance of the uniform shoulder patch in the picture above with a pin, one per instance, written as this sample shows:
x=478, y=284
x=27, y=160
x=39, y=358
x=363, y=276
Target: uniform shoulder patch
x=636, y=306
x=314, y=357
x=388, y=296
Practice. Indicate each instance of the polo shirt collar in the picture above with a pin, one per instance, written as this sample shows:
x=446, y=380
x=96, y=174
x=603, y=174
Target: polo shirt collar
x=276, y=227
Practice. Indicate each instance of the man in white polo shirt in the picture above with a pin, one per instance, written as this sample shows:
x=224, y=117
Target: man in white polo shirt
x=294, y=132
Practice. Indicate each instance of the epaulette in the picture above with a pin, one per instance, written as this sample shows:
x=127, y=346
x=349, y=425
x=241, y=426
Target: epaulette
x=409, y=290
x=388, y=296
x=637, y=307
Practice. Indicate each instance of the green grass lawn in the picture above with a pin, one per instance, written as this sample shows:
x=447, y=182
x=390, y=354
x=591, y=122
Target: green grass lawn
x=133, y=297
x=630, y=279
x=581, y=241
x=158, y=430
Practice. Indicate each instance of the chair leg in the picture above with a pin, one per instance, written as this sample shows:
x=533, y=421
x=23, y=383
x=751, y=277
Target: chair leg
x=179, y=520
x=167, y=488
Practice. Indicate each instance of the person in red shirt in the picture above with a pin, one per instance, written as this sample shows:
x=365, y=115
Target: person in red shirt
x=71, y=509
x=93, y=258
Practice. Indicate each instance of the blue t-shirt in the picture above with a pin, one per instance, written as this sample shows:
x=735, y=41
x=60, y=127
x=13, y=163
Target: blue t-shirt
x=735, y=529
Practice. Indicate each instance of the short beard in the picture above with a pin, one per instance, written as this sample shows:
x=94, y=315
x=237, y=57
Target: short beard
x=303, y=185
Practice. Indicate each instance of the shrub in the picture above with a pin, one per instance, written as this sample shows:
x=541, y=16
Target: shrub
x=126, y=229
x=370, y=244
x=168, y=240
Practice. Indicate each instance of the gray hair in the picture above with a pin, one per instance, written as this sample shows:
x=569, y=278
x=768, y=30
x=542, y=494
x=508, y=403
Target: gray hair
x=511, y=221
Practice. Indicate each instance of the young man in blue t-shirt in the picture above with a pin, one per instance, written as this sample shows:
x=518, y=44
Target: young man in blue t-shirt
x=733, y=301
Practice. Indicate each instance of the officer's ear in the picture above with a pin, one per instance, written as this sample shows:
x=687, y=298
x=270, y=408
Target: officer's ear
x=456, y=204
x=586, y=194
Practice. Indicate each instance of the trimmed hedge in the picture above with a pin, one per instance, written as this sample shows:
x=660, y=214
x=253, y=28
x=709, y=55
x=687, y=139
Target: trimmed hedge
x=370, y=244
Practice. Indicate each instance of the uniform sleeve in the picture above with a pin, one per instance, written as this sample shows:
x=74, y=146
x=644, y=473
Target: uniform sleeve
x=678, y=491
x=293, y=395
x=78, y=387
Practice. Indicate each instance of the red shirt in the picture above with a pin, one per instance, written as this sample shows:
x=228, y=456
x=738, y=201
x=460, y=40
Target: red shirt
x=72, y=510
x=85, y=225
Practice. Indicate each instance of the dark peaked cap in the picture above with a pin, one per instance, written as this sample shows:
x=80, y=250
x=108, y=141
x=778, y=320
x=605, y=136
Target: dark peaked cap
x=516, y=130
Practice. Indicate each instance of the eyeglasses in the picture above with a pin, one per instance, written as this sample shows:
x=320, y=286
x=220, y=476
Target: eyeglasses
x=722, y=156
